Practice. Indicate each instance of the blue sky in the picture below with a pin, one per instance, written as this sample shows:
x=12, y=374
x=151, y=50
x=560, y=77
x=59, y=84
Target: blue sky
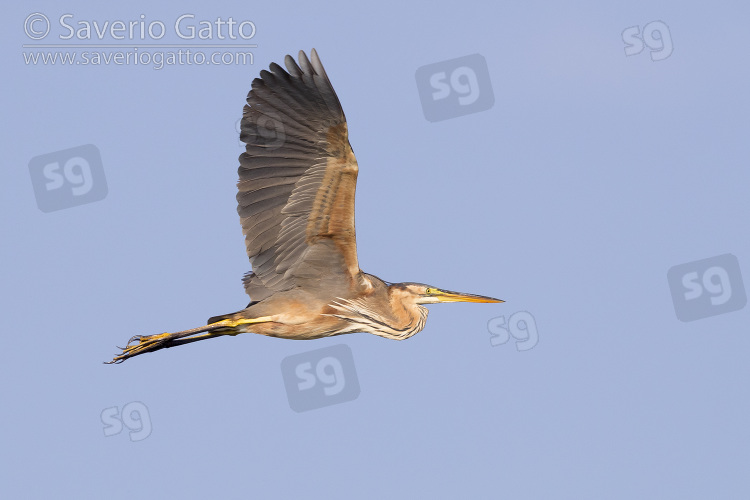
x=590, y=176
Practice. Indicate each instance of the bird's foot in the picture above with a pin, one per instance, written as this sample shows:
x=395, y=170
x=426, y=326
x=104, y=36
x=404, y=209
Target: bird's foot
x=143, y=344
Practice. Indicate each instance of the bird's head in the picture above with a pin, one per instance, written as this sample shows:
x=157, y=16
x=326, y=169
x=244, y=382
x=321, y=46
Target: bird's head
x=427, y=294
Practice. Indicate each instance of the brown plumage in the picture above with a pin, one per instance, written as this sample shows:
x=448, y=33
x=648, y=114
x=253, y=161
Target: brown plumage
x=296, y=204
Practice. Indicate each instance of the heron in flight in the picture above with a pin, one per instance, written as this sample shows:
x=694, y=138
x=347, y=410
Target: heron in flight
x=296, y=206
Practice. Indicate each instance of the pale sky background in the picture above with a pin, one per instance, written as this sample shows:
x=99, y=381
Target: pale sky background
x=592, y=175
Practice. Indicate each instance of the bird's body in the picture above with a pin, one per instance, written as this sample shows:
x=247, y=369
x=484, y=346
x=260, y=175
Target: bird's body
x=302, y=315
x=296, y=205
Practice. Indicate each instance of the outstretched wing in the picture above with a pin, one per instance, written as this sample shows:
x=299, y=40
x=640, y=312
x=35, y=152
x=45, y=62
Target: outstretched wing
x=297, y=180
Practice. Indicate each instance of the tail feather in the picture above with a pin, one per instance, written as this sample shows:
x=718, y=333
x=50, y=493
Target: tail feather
x=215, y=319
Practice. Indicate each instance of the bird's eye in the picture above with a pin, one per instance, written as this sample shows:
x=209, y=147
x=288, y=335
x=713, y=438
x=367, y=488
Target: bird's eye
x=428, y=290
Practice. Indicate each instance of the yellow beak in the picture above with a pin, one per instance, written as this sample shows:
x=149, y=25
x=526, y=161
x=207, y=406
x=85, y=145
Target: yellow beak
x=447, y=296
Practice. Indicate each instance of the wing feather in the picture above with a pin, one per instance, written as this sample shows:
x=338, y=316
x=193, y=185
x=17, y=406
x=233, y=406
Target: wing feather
x=297, y=181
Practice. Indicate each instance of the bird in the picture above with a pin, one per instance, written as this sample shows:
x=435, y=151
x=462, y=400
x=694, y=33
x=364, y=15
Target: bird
x=296, y=189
